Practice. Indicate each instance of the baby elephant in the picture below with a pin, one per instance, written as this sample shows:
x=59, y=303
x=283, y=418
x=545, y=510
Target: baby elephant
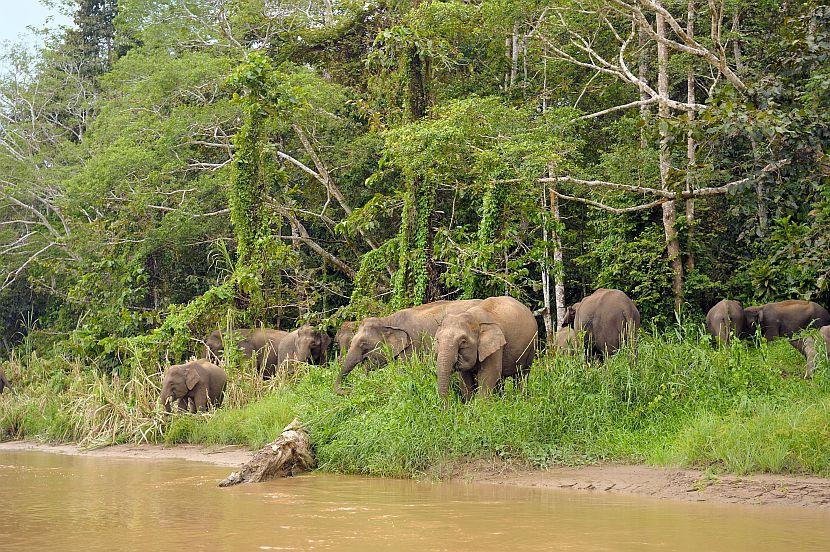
x=567, y=341
x=194, y=384
x=488, y=342
x=4, y=382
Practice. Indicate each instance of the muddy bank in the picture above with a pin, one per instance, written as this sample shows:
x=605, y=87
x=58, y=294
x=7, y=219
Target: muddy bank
x=664, y=483
x=231, y=456
x=637, y=480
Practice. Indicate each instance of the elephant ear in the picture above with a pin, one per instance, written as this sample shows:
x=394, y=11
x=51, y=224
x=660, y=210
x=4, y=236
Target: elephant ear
x=191, y=377
x=490, y=339
x=397, y=338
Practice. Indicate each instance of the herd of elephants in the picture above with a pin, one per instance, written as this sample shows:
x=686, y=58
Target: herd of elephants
x=484, y=340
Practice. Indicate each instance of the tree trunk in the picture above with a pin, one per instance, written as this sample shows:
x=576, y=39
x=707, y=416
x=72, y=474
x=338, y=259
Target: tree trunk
x=642, y=70
x=736, y=41
x=558, y=259
x=690, y=146
x=760, y=193
x=286, y=456
x=514, y=54
x=546, y=315
x=669, y=211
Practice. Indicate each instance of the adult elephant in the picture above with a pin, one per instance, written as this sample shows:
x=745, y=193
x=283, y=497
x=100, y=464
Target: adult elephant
x=725, y=319
x=786, y=318
x=344, y=336
x=305, y=344
x=405, y=331
x=491, y=341
x=263, y=342
x=607, y=317
x=4, y=382
x=195, y=385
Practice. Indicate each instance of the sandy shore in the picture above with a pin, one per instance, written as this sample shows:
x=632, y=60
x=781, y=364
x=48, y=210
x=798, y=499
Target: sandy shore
x=664, y=483
x=231, y=456
x=638, y=480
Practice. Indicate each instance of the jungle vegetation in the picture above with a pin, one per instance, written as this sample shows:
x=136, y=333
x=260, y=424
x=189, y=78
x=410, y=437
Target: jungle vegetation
x=169, y=167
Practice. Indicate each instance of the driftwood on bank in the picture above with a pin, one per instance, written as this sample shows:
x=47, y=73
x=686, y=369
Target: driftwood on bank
x=288, y=455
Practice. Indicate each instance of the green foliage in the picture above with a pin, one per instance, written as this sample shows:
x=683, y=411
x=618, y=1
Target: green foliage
x=682, y=402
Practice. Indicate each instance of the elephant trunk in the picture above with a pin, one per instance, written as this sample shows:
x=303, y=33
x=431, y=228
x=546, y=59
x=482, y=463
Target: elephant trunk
x=352, y=360
x=165, y=399
x=446, y=361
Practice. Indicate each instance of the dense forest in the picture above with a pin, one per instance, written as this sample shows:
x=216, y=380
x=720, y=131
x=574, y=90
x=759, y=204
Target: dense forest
x=168, y=167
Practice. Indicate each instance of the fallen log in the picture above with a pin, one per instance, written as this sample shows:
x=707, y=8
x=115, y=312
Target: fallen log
x=286, y=456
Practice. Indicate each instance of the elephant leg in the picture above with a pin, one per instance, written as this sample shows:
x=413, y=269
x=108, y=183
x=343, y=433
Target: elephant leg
x=468, y=385
x=489, y=374
x=200, y=400
x=182, y=404
x=800, y=346
x=191, y=405
x=809, y=352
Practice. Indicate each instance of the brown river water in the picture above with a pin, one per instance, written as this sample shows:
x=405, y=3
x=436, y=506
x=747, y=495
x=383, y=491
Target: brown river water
x=57, y=502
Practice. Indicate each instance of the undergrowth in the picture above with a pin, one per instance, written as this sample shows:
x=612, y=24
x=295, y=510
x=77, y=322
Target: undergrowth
x=682, y=403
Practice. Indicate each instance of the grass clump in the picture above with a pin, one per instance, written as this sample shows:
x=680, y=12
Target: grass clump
x=683, y=402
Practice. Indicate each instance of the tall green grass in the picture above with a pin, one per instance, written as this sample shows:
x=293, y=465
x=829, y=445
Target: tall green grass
x=683, y=402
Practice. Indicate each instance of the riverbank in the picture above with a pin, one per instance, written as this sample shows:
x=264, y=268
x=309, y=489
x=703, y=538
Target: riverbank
x=683, y=404
x=228, y=455
x=686, y=485
x=634, y=480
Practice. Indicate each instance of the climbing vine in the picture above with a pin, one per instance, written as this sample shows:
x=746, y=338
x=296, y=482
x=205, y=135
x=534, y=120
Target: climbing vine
x=491, y=219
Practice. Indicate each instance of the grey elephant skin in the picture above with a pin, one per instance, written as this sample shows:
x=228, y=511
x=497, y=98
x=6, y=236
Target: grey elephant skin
x=306, y=344
x=811, y=352
x=344, y=337
x=405, y=331
x=264, y=342
x=725, y=319
x=195, y=385
x=607, y=317
x=786, y=318
x=490, y=341
x=4, y=382
x=566, y=341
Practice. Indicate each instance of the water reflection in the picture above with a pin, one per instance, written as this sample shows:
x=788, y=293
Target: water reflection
x=75, y=503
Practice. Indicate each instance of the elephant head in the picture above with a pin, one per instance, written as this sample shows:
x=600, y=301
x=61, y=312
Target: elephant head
x=214, y=346
x=754, y=319
x=178, y=382
x=463, y=341
x=366, y=346
x=310, y=345
x=570, y=315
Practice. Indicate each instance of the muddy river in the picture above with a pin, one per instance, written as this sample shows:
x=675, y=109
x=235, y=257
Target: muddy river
x=57, y=502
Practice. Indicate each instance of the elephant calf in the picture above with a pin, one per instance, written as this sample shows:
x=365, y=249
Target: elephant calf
x=305, y=344
x=726, y=319
x=488, y=342
x=608, y=317
x=4, y=382
x=566, y=341
x=195, y=385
